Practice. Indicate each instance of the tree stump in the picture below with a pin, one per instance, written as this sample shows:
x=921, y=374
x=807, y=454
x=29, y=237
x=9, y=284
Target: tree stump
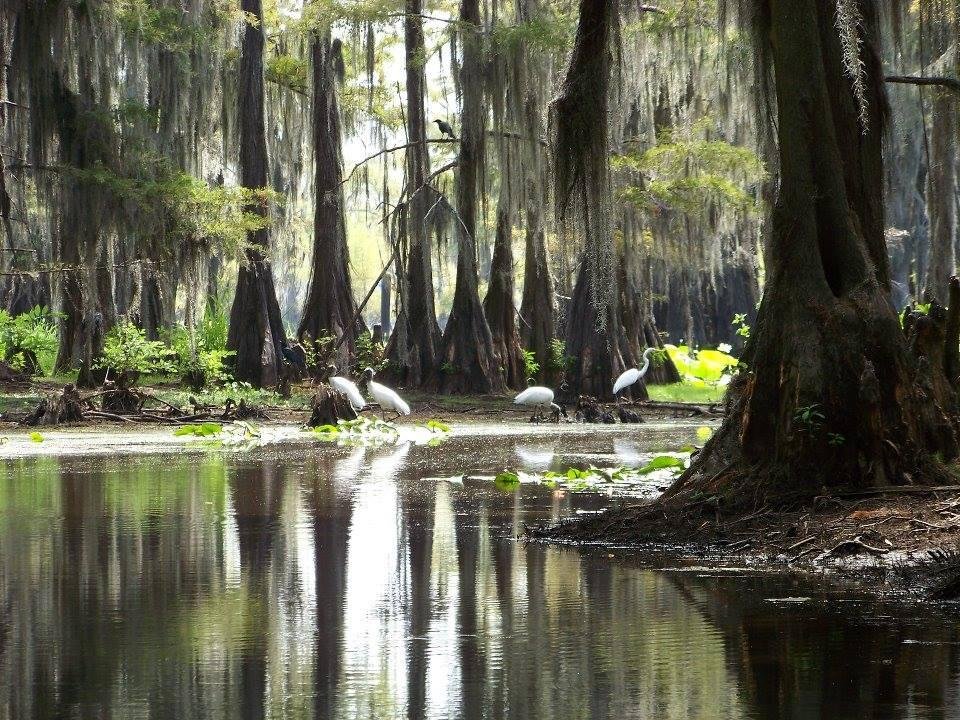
x=62, y=408
x=119, y=397
x=328, y=407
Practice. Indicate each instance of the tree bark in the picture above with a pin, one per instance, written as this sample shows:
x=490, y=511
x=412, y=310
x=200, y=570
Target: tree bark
x=256, y=332
x=498, y=305
x=414, y=345
x=580, y=127
x=4, y=64
x=330, y=306
x=538, y=304
x=469, y=363
x=831, y=395
x=941, y=196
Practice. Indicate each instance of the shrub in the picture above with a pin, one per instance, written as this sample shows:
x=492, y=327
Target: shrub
x=531, y=367
x=126, y=349
x=559, y=360
x=28, y=342
x=369, y=354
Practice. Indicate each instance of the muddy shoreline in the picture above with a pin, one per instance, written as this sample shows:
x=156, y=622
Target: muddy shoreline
x=904, y=541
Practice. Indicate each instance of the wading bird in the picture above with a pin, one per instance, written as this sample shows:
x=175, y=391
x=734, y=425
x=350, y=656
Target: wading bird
x=345, y=387
x=629, y=377
x=541, y=398
x=386, y=398
x=445, y=128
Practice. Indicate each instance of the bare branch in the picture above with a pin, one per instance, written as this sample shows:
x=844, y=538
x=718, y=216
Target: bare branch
x=949, y=84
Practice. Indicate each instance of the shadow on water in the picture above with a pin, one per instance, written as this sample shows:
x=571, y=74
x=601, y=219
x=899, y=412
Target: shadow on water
x=340, y=583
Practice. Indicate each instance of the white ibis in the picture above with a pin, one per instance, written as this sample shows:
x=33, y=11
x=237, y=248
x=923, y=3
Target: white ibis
x=629, y=377
x=387, y=399
x=347, y=388
x=539, y=397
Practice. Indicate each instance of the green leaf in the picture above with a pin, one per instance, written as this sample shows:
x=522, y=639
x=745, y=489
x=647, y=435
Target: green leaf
x=507, y=481
x=437, y=426
x=704, y=433
x=36, y=437
x=206, y=429
x=662, y=462
x=327, y=430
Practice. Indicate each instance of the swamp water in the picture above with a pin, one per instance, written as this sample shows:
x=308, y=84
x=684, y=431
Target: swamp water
x=317, y=581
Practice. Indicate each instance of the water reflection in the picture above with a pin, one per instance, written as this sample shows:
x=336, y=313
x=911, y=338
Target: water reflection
x=339, y=584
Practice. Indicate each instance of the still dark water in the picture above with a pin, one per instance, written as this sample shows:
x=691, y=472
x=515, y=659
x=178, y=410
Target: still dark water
x=340, y=583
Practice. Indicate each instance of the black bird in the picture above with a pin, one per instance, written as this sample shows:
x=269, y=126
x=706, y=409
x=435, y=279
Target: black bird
x=294, y=354
x=445, y=128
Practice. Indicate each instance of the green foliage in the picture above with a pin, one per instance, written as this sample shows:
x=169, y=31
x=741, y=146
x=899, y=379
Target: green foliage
x=437, y=426
x=369, y=354
x=689, y=391
x=36, y=437
x=663, y=462
x=530, y=365
x=740, y=322
x=689, y=174
x=126, y=349
x=33, y=332
x=704, y=365
x=810, y=418
x=200, y=358
x=207, y=429
x=176, y=202
x=287, y=71
x=507, y=481
x=559, y=360
x=448, y=368
x=546, y=34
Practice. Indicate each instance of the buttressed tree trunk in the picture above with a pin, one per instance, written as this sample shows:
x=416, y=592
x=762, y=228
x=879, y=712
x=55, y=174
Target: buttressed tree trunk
x=468, y=360
x=415, y=341
x=330, y=306
x=580, y=124
x=256, y=332
x=941, y=194
x=832, y=394
x=498, y=305
x=537, y=321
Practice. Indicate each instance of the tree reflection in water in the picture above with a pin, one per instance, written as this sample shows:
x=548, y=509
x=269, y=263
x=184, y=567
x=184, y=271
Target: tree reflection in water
x=339, y=583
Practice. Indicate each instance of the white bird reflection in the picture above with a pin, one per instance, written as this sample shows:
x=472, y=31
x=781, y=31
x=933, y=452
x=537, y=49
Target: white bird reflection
x=534, y=457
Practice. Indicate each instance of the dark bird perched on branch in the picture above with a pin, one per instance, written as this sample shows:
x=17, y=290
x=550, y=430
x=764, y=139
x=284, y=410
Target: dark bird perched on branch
x=294, y=354
x=445, y=128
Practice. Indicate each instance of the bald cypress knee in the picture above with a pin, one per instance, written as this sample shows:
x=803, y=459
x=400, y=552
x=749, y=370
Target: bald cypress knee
x=330, y=305
x=256, y=331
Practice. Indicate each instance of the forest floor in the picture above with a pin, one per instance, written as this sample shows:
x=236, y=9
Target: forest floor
x=18, y=400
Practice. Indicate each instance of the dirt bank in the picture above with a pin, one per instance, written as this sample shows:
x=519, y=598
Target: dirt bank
x=900, y=539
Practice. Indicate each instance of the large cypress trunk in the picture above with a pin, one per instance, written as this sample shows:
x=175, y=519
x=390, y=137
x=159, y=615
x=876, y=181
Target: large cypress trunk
x=537, y=305
x=581, y=142
x=468, y=360
x=941, y=194
x=4, y=63
x=498, y=305
x=416, y=337
x=256, y=332
x=831, y=395
x=537, y=321
x=330, y=306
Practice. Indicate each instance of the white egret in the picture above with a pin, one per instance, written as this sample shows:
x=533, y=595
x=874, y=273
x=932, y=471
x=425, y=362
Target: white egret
x=386, y=398
x=347, y=388
x=539, y=397
x=629, y=377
